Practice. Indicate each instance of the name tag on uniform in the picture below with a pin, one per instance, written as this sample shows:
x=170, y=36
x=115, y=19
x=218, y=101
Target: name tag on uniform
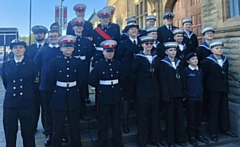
x=191, y=75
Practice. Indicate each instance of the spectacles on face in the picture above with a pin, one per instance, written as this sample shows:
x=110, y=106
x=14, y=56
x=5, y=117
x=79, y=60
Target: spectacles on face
x=148, y=43
x=68, y=45
x=209, y=33
x=104, y=17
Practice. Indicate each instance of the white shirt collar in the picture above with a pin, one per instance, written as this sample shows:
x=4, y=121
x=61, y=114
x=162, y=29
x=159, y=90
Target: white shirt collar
x=50, y=45
x=192, y=68
x=18, y=60
x=133, y=40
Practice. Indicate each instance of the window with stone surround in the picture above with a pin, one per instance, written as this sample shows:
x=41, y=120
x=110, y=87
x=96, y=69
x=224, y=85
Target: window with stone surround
x=141, y=10
x=234, y=8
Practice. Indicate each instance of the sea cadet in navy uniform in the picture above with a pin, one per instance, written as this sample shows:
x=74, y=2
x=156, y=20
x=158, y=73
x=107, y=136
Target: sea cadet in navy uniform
x=173, y=93
x=189, y=36
x=18, y=77
x=65, y=77
x=150, y=22
x=165, y=32
x=39, y=35
x=158, y=47
x=83, y=50
x=194, y=85
x=145, y=74
x=203, y=49
x=104, y=31
x=215, y=76
x=183, y=47
x=125, y=53
x=111, y=9
x=43, y=58
x=106, y=77
x=124, y=33
x=80, y=12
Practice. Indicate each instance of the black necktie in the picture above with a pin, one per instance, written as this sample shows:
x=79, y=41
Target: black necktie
x=134, y=42
x=39, y=46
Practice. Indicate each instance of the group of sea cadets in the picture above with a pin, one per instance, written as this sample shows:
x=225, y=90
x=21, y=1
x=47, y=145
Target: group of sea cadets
x=156, y=68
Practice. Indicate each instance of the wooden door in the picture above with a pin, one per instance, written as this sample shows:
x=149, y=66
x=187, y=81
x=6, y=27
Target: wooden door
x=189, y=8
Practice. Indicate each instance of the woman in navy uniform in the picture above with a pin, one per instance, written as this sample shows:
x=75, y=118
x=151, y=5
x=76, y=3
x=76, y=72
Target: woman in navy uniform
x=125, y=53
x=145, y=74
x=65, y=78
x=84, y=51
x=106, y=76
x=215, y=77
x=18, y=77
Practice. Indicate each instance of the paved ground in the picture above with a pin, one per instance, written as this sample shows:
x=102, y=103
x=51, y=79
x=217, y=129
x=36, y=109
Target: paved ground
x=40, y=137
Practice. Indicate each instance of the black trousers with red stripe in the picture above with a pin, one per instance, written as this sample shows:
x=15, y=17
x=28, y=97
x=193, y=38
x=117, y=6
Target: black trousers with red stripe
x=59, y=118
x=105, y=112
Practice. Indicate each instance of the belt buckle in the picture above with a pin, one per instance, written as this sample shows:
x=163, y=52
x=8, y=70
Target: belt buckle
x=111, y=82
x=67, y=84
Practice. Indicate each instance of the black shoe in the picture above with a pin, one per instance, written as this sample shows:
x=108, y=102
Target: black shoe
x=159, y=144
x=213, y=137
x=231, y=134
x=193, y=141
x=181, y=143
x=48, y=140
x=65, y=140
x=202, y=139
x=171, y=145
x=88, y=101
x=125, y=129
x=86, y=117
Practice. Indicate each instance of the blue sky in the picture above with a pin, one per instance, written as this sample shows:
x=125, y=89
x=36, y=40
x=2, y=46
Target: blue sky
x=15, y=13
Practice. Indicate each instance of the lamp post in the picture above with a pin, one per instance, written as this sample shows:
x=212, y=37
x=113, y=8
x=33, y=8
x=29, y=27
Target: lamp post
x=30, y=23
x=61, y=17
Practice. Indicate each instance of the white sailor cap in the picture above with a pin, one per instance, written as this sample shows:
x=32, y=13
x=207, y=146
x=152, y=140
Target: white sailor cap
x=207, y=29
x=177, y=31
x=186, y=20
x=39, y=29
x=151, y=17
x=215, y=43
x=103, y=12
x=79, y=8
x=78, y=21
x=171, y=44
x=131, y=20
x=168, y=15
x=110, y=8
x=17, y=42
x=152, y=29
x=146, y=39
x=67, y=39
x=108, y=45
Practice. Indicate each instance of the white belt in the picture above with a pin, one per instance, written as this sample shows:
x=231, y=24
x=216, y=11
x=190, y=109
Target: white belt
x=66, y=84
x=81, y=57
x=99, y=48
x=108, y=82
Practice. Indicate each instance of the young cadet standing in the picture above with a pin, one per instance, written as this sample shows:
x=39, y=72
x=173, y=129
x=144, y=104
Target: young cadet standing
x=215, y=71
x=125, y=54
x=145, y=74
x=106, y=77
x=104, y=31
x=189, y=36
x=18, y=77
x=193, y=79
x=204, y=50
x=183, y=48
x=173, y=93
x=80, y=12
x=83, y=50
x=43, y=58
x=65, y=78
